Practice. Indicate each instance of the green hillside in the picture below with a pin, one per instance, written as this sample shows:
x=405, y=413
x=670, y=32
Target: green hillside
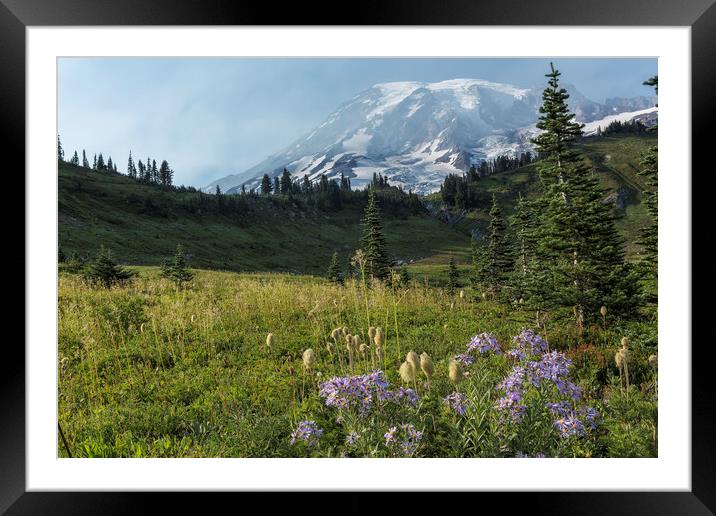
x=142, y=224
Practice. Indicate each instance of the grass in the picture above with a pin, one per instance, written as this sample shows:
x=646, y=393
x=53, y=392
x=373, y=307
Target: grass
x=146, y=370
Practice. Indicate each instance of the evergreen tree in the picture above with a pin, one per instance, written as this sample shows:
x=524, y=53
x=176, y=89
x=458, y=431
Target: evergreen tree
x=285, y=182
x=334, y=270
x=500, y=260
x=480, y=266
x=75, y=160
x=100, y=162
x=580, y=255
x=453, y=276
x=350, y=268
x=94, y=164
x=85, y=162
x=131, y=168
x=276, y=185
x=306, y=186
x=60, y=150
x=266, y=185
x=525, y=225
x=165, y=174
x=155, y=172
x=218, y=191
x=373, y=241
x=105, y=272
x=404, y=277
x=176, y=269
x=110, y=165
x=650, y=173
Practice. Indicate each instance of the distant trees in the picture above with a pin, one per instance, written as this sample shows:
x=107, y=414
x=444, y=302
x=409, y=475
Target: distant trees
x=650, y=172
x=85, y=162
x=373, y=241
x=100, y=165
x=60, y=150
x=266, y=186
x=75, y=160
x=131, y=168
x=285, y=186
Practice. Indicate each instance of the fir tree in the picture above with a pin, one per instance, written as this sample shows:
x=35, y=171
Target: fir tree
x=155, y=172
x=276, y=185
x=500, y=260
x=334, y=270
x=85, y=162
x=131, y=168
x=218, y=191
x=94, y=164
x=580, y=255
x=373, y=241
x=285, y=182
x=266, y=185
x=176, y=269
x=480, y=268
x=524, y=223
x=100, y=162
x=110, y=165
x=75, y=160
x=165, y=174
x=453, y=276
x=60, y=150
x=650, y=173
x=105, y=272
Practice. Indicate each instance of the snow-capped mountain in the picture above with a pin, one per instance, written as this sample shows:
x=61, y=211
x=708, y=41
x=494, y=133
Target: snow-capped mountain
x=417, y=133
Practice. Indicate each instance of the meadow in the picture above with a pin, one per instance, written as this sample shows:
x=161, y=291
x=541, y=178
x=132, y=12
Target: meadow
x=147, y=369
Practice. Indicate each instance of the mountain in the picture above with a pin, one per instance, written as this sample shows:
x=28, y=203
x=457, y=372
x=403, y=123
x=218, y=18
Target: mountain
x=416, y=133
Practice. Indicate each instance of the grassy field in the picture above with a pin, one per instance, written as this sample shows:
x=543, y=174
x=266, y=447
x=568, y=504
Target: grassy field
x=146, y=370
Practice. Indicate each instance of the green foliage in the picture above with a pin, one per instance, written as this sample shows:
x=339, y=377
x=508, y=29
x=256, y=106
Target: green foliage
x=103, y=271
x=373, y=241
x=453, y=277
x=176, y=269
x=499, y=249
x=630, y=424
x=334, y=271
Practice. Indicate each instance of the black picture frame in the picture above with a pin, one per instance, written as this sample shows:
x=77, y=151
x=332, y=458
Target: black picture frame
x=700, y=15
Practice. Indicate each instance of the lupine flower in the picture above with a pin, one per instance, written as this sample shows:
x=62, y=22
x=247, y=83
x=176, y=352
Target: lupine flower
x=483, y=343
x=308, y=432
x=457, y=401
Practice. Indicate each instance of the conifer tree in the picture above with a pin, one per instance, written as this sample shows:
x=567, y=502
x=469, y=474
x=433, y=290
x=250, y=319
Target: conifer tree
x=404, y=277
x=266, y=185
x=75, y=160
x=110, y=165
x=453, y=276
x=94, y=164
x=105, y=272
x=155, y=172
x=499, y=250
x=373, y=241
x=176, y=269
x=650, y=173
x=524, y=223
x=334, y=270
x=350, y=268
x=131, y=168
x=165, y=174
x=276, y=185
x=218, y=191
x=100, y=162
x=480, y=269
x=85, y=162
x=285, y=182
x=580, y=254
x=60, y=150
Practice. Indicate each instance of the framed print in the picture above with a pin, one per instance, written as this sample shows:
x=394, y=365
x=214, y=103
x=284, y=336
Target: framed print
x=430, y=250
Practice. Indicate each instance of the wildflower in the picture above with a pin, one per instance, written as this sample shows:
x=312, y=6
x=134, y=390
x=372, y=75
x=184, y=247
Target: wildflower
x=349, y=392
x=570, y=426
x=309, y=358
x=527, y=343
x=352, y=438
x=329, y=348
x=414, y=360
x=379, y=338
x=462, y=294
x=409, y=439
x=371, y=333
x=345, y=331
x=465, y=359
x=363, y=348
x=457, y=402
x=269, y=340
x=653, y=361
x=308, y=432
x=336, y=333
x=455, y=372
x=407, y=372
x=483, y=343
x=390, y=435
x=426, y=364
x=400, y=395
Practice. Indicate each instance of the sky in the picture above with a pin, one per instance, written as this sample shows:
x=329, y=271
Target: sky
x=211, y=117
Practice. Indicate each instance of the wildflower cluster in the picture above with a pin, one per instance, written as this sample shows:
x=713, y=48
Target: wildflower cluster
x=527, y=343
x=348, y=392
x=308, y=432
x=457, y=401
x=404, y=438
x=550, y=369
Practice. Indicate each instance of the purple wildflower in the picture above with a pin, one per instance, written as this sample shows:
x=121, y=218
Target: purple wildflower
x=457, y=401
x=352, y=438
x=409, y=439
x=308, y=432
x=465, y=358
x=348, y=392
x=483, y=343
x=570, y=426
x=527, y=343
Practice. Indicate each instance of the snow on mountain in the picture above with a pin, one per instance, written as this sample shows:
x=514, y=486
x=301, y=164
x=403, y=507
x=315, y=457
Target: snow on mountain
x=416, y=133
x=591, y=128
